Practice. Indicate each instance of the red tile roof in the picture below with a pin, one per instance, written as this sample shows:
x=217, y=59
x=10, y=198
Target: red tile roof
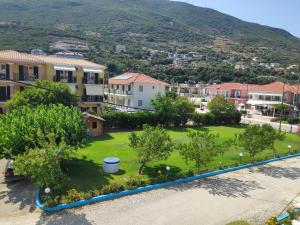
x=232, y=86
x=276, y=87
x=129, y=78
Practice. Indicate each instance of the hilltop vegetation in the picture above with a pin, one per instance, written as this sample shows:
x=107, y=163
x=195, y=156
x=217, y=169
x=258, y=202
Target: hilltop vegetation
x=143, y=26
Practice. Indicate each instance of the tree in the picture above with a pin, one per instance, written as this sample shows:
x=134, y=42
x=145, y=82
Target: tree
x=184, y=109
x=42, y=165
x=153, y=143
x=43, y=93
x=164, y=109
x=224, y=110
x=220, y=106
x=202, y=148
x=18, y=129
x=255, y=139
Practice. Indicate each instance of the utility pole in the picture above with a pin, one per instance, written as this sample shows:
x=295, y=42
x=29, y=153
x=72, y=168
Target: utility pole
x=294, y=101
x=281, y=111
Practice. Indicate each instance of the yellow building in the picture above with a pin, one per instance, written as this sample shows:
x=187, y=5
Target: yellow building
x=84, y=78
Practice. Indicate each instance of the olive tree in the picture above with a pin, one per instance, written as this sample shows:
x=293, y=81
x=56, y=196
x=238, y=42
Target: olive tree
x=42, y=165
x=153, y=143
x=255, y=139
x=202, y=148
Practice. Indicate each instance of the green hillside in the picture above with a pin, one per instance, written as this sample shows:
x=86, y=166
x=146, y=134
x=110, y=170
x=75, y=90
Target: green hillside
x=156, y=24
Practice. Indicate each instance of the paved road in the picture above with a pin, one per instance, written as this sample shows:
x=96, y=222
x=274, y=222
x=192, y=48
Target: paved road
x=251, y=194
x=16, y=201
x=284, y=127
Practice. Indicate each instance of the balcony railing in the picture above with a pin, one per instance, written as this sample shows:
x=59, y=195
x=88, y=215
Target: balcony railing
x=117, y=92
x=91, y=81
x=90, y=98
x=73, y=80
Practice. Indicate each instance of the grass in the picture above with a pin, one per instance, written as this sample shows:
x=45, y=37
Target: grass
x=85, y=169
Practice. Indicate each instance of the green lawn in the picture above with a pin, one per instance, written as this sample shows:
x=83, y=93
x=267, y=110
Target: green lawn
x=85, y=170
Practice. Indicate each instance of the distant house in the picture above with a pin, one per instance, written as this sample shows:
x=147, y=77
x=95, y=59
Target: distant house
x=133, y=90
x=265, y=96
x=234, y=92
x=94, y=124
x=120, y=48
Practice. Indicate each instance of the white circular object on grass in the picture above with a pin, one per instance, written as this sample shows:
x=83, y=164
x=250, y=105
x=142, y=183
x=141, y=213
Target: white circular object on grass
x=111, y=165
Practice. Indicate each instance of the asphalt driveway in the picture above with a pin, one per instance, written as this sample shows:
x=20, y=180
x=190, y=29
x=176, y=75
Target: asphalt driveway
x=251, y=194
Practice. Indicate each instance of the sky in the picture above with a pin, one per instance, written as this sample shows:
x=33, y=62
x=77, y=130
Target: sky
x=283, y=14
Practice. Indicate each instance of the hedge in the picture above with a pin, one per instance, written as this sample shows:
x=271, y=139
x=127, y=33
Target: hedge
x=124, y=120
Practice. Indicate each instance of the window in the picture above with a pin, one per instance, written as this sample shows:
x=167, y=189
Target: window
x=226, y=94
x=3, y=69
x=141, y=88
x=129, y=87
x=237, y=94
x=261, y=97
x=140, y=102
x=90, y=78
x=153, y=87
x=276, y=98
x=94, y=125
x=268, y=98
x=250, y=96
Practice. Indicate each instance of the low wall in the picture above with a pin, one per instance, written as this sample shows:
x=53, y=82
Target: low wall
x=111, y=196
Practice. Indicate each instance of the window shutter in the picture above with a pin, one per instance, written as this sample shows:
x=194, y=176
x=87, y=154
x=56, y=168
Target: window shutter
x=8, y=92
x=7, y=71
x=57, y=77
x=84, y=78
x=70, y=77
x=21, y=73
x=36, y=72
x=96, y=78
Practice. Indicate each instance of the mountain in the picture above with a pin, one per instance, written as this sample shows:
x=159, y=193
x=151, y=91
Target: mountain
x=156, y=24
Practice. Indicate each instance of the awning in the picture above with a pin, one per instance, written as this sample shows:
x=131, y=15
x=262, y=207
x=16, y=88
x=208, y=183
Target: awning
x=94, y=89
x=91, y=70
x=65, y=68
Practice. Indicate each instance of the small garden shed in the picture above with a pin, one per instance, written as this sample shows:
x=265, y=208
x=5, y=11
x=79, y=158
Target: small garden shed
x=94, y=124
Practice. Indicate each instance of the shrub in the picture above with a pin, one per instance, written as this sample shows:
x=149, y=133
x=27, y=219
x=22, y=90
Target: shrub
x=111, y=188
x=133, y=183
x=293, y=120
x=203, y=118
x=85, y=195
x=95, y=193
x=272, y=221
x=238, y=222
x=72, y=196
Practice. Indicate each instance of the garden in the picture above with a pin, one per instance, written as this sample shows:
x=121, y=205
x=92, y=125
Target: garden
x=46, y=136
x=85, y=169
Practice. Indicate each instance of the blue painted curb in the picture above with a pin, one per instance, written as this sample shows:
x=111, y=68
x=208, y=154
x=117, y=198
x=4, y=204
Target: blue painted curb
x=152, y=187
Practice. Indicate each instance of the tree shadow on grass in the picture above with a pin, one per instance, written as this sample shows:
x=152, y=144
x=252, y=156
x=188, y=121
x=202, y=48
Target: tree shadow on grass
x=104, y=137
x=86, y=175
x=227, y=187
x=19, y=193
x=65, y=217
x=155, y=171
x=292, y=173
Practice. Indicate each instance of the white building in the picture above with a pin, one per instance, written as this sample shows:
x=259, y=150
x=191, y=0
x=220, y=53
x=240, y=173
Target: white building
x=120, y=48
x=133, y=90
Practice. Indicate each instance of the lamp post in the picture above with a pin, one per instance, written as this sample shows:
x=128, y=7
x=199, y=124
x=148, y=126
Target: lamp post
x=47, y=191
x=168, y=168
x=290, y=147
x=241, y=158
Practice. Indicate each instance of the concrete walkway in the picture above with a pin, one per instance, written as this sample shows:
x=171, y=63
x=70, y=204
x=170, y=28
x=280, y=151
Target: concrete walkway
x=250, y=194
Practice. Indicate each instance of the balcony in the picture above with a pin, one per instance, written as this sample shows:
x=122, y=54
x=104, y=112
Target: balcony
x=27, y=77
x=3, y=76
x=92, y=98
x=117, y=92
x=91, y=81
x=65, y=80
